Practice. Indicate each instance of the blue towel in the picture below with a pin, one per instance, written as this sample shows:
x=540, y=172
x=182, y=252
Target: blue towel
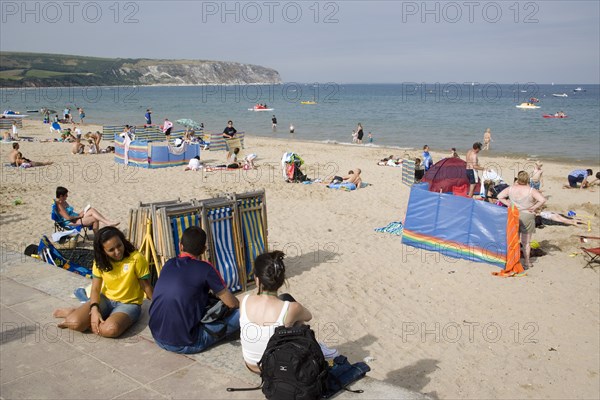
x=347, y=186
x=395, y=228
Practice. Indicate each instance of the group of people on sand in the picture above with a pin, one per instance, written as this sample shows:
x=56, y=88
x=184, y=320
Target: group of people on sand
x=93, y=143
x=16, y=159
x=180, y=298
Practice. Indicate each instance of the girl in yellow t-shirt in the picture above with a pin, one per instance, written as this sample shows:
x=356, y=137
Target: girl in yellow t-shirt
x=120, y=279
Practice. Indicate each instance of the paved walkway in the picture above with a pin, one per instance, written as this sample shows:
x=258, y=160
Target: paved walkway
x=38, y=360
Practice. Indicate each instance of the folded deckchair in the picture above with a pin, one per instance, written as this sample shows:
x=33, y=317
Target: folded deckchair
x=180, y=223
x=220, y=222
x=253, y=231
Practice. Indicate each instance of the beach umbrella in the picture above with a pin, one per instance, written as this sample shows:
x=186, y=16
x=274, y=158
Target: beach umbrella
x=188, y=123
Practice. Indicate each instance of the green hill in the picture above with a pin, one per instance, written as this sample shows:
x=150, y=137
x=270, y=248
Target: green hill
x=37, y=69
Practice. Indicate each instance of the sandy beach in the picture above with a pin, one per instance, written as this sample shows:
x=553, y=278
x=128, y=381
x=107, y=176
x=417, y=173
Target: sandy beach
x=436, y=325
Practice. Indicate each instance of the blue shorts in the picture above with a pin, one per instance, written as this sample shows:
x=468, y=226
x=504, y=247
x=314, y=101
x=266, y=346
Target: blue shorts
x=109, y=307
x=534, y=185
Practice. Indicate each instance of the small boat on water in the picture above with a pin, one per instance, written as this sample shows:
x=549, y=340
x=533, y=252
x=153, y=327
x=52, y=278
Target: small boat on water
x=308, y=102
x=260, y=108
x=555, y=116
x=527, y=106
x=579, y=90
x=560, y=95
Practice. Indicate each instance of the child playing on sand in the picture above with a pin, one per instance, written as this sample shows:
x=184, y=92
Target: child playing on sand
x=536, y=176
x=249, y=161
x=194, y=164
x=92, y=149
x=232, y=161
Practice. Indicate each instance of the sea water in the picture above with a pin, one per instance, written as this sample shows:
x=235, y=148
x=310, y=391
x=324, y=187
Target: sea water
x=407, y=115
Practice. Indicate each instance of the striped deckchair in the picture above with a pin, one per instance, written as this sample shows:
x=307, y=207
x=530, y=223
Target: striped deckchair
x=221, y=231
x=180, y=223
x=253, y=232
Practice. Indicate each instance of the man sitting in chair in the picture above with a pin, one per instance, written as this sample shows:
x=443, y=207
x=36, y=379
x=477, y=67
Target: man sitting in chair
x=89, y=217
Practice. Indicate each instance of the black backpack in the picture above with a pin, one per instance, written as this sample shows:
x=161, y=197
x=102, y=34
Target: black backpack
x=293, y=366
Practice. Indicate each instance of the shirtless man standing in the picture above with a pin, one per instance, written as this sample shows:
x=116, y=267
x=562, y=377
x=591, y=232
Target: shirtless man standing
x=473, y=166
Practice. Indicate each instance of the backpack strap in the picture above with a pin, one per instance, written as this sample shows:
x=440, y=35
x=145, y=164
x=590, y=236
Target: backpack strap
x=230, y=389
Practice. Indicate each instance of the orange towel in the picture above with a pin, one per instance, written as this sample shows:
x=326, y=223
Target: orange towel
x=513, y=254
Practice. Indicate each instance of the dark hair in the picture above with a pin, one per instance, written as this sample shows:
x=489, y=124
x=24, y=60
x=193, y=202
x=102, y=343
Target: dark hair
x=236, y=150
x=230, y=122
x=424, y=147
x=61, y=191
x=270, y=270
x=15, y=145
x=477, y=146
x=598, y=175
x=590, y=172
x=103, y=262
x=193, y=240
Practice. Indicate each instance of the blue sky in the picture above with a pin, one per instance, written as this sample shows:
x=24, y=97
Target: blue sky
x=329, y=41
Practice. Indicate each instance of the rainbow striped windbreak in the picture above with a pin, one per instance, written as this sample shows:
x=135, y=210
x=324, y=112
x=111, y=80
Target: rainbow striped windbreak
x=456, y=226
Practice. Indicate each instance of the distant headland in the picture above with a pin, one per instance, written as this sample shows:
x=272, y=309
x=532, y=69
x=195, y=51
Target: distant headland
x=50, y=70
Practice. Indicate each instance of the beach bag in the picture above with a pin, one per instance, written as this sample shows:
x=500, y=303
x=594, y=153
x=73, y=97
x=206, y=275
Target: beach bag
x=216, y=312
x=292, y=366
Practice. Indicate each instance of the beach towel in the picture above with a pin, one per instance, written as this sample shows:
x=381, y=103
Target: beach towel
x=126, y=142
x=394, y=228
x=344, y=186
x=513, y=256
x=179, y=148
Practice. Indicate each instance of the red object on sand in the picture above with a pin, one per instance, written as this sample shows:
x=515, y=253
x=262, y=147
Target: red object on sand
x=446, y=174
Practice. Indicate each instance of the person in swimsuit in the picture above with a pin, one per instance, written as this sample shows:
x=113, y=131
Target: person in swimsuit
x=473, y=166
x=527, y=200
x=536, y=177
x=86, y=218
x=487, y=139
x=359, y=133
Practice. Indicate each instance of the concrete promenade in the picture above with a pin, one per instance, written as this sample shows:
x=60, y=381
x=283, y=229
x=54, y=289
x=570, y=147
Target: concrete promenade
x=40, y=361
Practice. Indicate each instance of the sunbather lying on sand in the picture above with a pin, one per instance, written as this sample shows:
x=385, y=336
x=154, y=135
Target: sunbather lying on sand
x=552, y=216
